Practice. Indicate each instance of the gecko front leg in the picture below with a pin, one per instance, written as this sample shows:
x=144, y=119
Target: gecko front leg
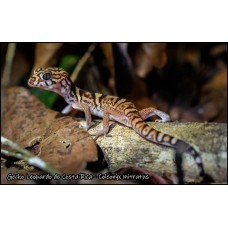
x=148, y=112
x=67, y=109
x=88, y=116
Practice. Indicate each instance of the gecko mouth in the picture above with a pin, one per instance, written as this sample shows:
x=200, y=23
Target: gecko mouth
x=31, y=82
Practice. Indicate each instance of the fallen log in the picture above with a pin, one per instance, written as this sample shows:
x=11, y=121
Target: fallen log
x=123, y=148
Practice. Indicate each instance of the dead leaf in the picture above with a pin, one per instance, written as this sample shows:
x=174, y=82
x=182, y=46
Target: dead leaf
x=215, y=91
x=67, y=147
x=24, y=119
x=218, y=81
x=62, y=143
x=213, y=101
x=45, y=54
x=218, y=49
x=147, y=56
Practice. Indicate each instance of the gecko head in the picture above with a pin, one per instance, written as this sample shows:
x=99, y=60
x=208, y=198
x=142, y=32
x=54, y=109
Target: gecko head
x=52, y=78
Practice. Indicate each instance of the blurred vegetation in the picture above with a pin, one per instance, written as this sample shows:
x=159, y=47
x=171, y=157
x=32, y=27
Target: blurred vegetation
x=171, y=76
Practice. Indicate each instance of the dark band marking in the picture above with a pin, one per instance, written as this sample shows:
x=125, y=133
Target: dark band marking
x=101, y=98
x=135, y=119
x=153, y=134
x=96, y=100
x=129, y=111
x=139, y=122
x=119, y=101
x=127, y=105
x=46, y=83
x=87, y=94
x=145, y=130
x=93, y=97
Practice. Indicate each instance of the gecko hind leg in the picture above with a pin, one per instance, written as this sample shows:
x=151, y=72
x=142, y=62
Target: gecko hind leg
x=104, y=131
x=106, y=114
x=148, y=112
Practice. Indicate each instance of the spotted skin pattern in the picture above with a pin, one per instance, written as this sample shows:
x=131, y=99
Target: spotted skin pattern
x=112, y=108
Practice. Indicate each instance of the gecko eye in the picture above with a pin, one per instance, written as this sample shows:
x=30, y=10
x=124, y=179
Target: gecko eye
x=46, y=76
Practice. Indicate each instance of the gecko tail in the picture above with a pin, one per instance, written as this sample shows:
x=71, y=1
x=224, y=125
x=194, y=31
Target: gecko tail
x=183, y=147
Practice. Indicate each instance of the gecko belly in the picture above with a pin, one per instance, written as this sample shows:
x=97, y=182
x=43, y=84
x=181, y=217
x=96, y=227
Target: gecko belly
x=100, y=113
x=96, y=112
x=120, y=119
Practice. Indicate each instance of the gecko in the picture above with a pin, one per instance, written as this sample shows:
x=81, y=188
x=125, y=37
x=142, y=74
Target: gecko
x=114, y=108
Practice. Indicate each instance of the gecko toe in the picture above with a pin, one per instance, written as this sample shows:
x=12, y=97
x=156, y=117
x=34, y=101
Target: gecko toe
x=160, y=120
x=100, y=133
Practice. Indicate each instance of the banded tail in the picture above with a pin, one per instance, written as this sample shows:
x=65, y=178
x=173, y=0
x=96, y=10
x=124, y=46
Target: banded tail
x=149, y=133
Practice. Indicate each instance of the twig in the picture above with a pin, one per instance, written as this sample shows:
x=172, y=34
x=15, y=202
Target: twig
x=7, y=70
x=27, y=156
x=13, y=145
x=82, y=62
x=8, y=65
x=11, y=154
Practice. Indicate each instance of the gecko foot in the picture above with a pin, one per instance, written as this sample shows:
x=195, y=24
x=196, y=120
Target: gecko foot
x=163, y=117
x=100, y=133
x=87, y=127
x=161, y=120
